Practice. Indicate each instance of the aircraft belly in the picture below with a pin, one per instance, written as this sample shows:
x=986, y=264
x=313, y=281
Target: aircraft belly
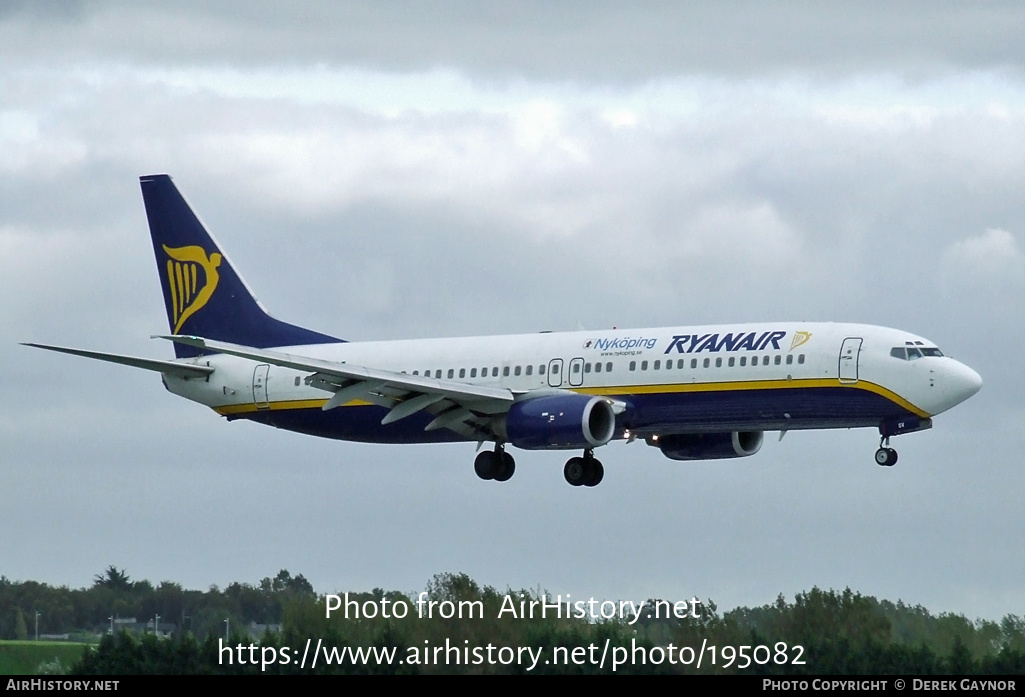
x=667, y=412
x=355, y=423
x=760, y=409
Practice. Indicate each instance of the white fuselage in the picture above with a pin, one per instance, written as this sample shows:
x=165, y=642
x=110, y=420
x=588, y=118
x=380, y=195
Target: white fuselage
x=776, y=376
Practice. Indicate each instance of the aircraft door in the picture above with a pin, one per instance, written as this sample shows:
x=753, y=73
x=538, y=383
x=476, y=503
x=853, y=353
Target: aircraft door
x=849, y=352
x=555, y=372
x=576, y=372
x=260, y=376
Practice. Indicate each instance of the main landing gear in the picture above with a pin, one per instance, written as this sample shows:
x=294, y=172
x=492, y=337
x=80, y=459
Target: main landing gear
x=497, y=464
x=584, y=471
x=886, y=456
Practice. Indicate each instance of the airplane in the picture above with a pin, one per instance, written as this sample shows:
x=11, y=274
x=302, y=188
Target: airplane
x=695, y=393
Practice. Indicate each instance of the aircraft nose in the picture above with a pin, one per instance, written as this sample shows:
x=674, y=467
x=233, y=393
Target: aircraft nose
x=969, y=381
x=961, y=382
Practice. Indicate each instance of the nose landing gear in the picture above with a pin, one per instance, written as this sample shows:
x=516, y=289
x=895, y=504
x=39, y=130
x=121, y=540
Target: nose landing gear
x=584, y=471
x=886, y=456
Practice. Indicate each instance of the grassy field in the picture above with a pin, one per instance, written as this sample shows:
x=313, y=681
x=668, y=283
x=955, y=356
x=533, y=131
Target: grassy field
x=25, y=657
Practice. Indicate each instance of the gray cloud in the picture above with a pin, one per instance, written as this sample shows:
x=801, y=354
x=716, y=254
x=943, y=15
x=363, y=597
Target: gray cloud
x=598, y=167
x=596, y=42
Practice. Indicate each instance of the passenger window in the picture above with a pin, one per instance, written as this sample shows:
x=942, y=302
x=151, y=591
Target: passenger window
x=644, y=365
x=693, y=363
x=800, y=359
x=587, y=367
x=633, y=365
x=718, y=363
x=473, y=372
x=297, y=381
x=679, y=364
x=541, y=369
x=765, y=360
x=658, y=364
x=516, y=371
x=597, y=367
x=608, y=367
x=437, y=374
x=555, y=369
x=575, y=367
x=530, y=369
x=494, y=372
x=706, y=362
x=731, y=361
x=743, y=361
x=790, y=358
x=505, y=372
x=451, y=373
x=776, y=361
x=462, y=372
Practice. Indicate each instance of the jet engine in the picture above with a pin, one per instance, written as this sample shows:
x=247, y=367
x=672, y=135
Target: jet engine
x=708, y=446
x=560, y=421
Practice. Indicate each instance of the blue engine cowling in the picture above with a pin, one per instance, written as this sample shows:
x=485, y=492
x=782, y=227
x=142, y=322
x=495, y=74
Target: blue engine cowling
x=708, y=446
x=560, y=421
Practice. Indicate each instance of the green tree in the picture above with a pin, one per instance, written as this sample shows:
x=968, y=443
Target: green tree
x=20, y=630
x=113, y=578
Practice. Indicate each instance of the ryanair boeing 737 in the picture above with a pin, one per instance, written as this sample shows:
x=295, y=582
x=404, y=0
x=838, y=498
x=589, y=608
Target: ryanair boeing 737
x=695, y=393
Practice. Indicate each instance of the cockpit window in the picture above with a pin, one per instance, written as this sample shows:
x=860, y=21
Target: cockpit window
x=910, y=353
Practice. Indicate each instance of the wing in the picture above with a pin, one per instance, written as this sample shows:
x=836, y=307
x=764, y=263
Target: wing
x=458, y=406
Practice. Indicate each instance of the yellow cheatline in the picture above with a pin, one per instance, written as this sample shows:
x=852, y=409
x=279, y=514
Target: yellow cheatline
x=284, y=404
x=635, y=389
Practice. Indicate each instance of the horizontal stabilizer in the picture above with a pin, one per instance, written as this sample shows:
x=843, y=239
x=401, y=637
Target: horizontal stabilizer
x=184, y=370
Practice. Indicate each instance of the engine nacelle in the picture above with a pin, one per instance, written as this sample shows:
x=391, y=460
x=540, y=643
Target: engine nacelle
x=708, y=446
x=560, y=421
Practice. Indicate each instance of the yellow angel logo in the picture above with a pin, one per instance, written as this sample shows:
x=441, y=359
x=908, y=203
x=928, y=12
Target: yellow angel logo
x=187, y=295
x=799, y=338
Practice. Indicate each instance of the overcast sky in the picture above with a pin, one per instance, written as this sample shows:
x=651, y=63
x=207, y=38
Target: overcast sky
x=421, y=169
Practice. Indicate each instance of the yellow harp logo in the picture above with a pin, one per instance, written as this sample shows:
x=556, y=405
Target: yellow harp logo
x=799, y=338
x=189, y=293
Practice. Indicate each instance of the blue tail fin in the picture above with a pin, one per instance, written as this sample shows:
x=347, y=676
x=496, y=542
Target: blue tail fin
x=203, y=294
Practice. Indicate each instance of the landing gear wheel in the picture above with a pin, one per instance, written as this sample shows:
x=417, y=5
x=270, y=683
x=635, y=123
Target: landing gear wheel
x=507, y=468
x=886, y=457
x=494, y=464
x=484, y=465
x=575, y=471
x=596, y=473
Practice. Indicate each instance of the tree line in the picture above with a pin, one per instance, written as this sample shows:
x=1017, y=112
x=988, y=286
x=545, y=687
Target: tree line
x=838, y=632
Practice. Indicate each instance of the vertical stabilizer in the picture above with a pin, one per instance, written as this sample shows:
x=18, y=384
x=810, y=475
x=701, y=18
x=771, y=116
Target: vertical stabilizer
x=203, y=294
